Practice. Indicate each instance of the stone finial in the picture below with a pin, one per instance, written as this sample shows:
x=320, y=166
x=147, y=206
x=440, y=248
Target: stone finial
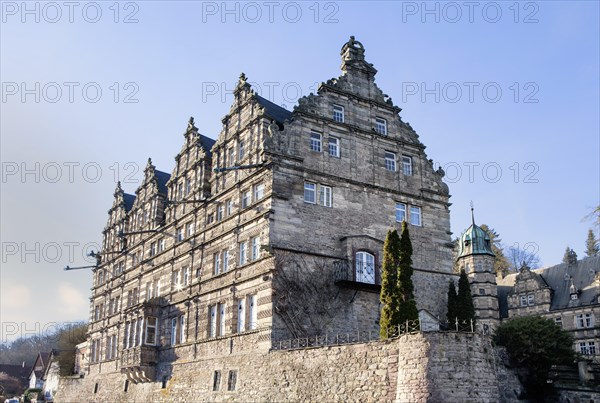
x=118, y=189
x=353, y=50
x=149, y=164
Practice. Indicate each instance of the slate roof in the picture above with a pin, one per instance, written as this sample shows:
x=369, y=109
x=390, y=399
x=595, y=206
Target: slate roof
x=273, y=110
x=207, y=143
x=559, y=278
x=17, y=371
x=474, y=241
x=45, y=359
x=162, y=179
x=128, y=199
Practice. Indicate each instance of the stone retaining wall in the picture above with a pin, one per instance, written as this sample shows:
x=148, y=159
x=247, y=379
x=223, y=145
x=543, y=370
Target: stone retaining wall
x=419, y=367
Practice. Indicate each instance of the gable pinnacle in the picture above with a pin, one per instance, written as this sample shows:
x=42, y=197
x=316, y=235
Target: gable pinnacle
x=472, y=214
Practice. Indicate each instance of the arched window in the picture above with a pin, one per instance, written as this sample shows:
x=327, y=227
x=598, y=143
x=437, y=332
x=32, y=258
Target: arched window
x=365, y=267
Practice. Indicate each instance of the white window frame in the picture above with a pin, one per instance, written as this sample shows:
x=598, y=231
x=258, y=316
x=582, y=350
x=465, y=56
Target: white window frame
x=174, y=322
x=151, y=324
x=229, y=208
x=259, y=191
x=381, y=126
x=241, y=150
x=416, y=216
x=241, y=316
x=530, y=299
x=316, y=142
x=189, y=229
x=390, y=161
x=325, y=196
x=365, y=267
x=523, y=300
x=161, y=245
x=255, y=251
x=338, y=113
x=400, y=212
x=225, y=262
x=179, y=234
x=334, y=147
x=231, y=153
x=407, y=165
x=252, y=312
x=220, y=210
x=217, y=263
x=245, y=199
x=186, y=276
x=310, y=188
x=182, y=329
x=222, y=311
x=243, y=249
x=212, y=321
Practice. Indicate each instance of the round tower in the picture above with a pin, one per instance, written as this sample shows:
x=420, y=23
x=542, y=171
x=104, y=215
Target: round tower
x=476, y=258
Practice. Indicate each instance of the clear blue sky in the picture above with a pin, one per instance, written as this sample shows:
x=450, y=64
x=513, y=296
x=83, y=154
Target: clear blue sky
x=527, y=156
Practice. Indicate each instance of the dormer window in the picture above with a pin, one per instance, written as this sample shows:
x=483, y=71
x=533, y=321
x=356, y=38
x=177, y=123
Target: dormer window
x=381, y=126
x=338, y=113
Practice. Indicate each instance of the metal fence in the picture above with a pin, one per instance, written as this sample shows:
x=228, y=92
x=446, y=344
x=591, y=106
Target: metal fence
x=414, y=326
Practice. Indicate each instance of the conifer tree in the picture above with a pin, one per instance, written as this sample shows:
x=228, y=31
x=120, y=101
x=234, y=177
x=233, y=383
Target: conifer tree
x=465, y=310
x=408, y=306
x=591, y=244
x=452, y=300
x=501, y=264
x=570, y=257
x=389, y=296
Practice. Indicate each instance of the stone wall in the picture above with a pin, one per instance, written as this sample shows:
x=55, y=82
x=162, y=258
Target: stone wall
x=420, y=367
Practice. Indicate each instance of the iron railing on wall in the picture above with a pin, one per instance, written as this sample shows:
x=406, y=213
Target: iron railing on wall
x=408, y=327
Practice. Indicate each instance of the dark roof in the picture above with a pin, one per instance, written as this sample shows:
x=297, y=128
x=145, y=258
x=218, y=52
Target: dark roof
x=45, y=359
x=559, y=278
x=474, y=241
x=207, y=144
x=128, y=199
x=162, y=178
x=582, y=275
x=274, y=111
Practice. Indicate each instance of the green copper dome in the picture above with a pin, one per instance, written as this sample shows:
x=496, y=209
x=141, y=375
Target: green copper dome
x=474, y=241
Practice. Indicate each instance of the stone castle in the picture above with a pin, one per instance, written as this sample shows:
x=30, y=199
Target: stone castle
x=275, y=232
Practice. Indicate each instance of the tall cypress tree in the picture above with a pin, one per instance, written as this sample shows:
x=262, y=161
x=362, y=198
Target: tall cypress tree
x=389, y=295
x=452, y=301
x=408, y=306
x=591, y=244
x=465, y=310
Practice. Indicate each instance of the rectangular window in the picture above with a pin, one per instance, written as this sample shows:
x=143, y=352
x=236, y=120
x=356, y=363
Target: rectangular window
x=558, y=321
x=126, y=336
x=210, y=218
x=161, y=245
x=530, y=299
x=182, y=338
x=415, y=215
x=229, y=207
x=592, y=347
x=334, y=147
x=583, y=348
x=151, y=330
x=148, y=291
x=381, y=126
x=523, y=300
x=231, y=161
x=180, y=190
x=173, y=331
x=243, y=253
x=255, y=248
x=390, y=161
x=153, y=249
x=241, y=149
x=175, y=280
x=186, y=276
x=584, y=320
x=220, y=210
x=259, y=191
x=189, y=229
x=315, y=142
x=325, y=196
x=407, y=165
x=245, y=199
x=252, y=312
x=212, y=317
x=241, y=316
x=400, y=212
x=188, y=186
x=481, y=291
x=231, y=380
x=179, y=234
x=588, y=320
x=216, y=380
x=222, y=319
x=310, y=190
x=338, y=113
x=225, y=260
x=217, y=265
